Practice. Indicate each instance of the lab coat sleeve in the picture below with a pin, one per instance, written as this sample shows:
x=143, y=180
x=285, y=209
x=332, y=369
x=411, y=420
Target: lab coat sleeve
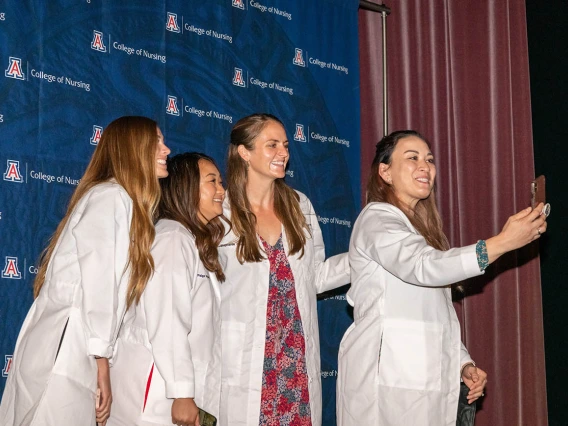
x=102, y=234
x=333, y=272
x=464, y=356
x=168, y=310
x=384, y=236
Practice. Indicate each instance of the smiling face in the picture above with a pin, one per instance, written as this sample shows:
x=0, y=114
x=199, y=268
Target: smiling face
x=211, y=191
x=162, y=152
x=411, y=172
x=270, y=155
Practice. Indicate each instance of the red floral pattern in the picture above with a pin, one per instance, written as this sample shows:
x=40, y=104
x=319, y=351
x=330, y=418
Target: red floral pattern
x=285, y=398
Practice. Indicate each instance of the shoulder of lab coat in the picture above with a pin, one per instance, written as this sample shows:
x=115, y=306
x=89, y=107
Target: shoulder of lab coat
x=333, y=272
x=101, y=233
x=168, y=306
x=384, y=234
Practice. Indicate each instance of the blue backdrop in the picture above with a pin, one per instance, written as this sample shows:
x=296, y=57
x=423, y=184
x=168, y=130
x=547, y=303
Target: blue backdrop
x=72, y=66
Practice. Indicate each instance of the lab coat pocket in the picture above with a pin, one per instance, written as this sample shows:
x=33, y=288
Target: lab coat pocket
x=357, y=390
x=233, y=338
x=72, y=360
x=411, y=355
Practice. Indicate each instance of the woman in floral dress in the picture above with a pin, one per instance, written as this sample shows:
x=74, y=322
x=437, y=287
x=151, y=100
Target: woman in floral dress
x=274, y=262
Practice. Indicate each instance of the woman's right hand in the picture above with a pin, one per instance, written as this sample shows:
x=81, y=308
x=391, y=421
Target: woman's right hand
x=104, y=399
x=185, y=412
x=521, y=228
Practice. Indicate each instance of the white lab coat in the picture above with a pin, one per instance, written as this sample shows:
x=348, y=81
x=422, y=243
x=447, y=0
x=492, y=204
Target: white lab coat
x=84, y=291
x=399, y=362
x=244, y=298
x=173, y=334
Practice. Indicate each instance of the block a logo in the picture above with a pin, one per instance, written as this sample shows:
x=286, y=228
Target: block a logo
x=172, y=23
x=12, y=173
x=299, y=58
x=172, y=107
x=239, y=4
x=97, y=132
x=238, y=79
x=11, y=270
x=299, y=135
x=97, y=43
x=7, y=365
x=14, y=69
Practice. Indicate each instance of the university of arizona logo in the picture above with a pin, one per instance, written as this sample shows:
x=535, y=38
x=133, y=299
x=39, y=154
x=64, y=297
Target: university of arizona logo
x=299, y=135
x=172, y=23
x=172, y=107
x=14, y=69
x=12, y=173
x=11, y=270
x=239, y=4
x=299, y=58
x=97, y=43
x=7, y=365
x=238, y=79
x=97, y=132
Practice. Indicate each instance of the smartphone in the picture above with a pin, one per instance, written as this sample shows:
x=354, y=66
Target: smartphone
x=538, y=191
x=206, y=419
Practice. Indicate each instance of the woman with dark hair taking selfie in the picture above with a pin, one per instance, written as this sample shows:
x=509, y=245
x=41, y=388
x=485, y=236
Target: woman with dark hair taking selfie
x=168, y=352
x=274, y=261
x=401, y=361
x=96, y=265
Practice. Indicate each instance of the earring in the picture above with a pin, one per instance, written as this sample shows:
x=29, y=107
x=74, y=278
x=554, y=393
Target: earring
x=247, y=164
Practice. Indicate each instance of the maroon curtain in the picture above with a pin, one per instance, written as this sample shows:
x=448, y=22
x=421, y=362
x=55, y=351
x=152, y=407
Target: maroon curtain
x=458, y=73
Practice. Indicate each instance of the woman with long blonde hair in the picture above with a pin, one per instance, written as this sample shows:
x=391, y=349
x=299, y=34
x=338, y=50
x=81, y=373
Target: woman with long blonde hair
x=274, y=263
x=96, y=265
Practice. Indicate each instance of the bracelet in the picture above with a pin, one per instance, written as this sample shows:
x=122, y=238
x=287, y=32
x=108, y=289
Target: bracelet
x=481, y=253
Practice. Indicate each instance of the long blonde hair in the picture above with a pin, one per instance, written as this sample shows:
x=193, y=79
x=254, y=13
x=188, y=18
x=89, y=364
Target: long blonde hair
x=426, y=219
x=127, y=153
x=286, y=200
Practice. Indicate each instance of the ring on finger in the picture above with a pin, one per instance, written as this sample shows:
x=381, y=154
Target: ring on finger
x=538, y=231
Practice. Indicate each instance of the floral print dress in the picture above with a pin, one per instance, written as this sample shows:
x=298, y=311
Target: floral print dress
x=285, y=399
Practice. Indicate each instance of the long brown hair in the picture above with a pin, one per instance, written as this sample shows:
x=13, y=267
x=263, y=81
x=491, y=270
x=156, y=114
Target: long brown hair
x=180, y=202
x=127, y=153
x=426, y=219
x=286, y=200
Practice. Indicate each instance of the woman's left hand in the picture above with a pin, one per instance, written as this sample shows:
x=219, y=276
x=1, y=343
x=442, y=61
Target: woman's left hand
x=475, y=379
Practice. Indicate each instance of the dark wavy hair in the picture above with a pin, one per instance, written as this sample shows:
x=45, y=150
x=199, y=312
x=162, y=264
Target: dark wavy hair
x=180, y=202
x=425, y=217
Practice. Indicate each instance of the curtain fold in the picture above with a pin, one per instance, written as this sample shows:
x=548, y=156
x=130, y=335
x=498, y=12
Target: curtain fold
x=458, y=73
x=371, y=80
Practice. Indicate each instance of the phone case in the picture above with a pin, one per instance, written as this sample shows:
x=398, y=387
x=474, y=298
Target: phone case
x=206, y=419
x=538, y=191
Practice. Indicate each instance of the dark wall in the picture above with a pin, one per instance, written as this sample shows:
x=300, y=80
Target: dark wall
x=548, y=57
